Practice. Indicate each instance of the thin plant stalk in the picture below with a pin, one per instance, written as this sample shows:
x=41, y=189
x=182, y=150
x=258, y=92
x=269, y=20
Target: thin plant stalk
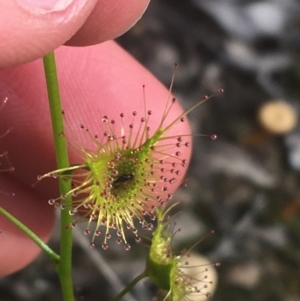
x=46, y=249
x=64, y=267
x=130, y=286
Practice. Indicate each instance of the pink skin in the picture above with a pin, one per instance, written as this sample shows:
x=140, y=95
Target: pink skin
x=27, y=34
x=95, y=81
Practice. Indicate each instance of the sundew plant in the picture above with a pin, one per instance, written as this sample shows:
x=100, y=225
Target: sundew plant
x=126, y=176
x=177, y=275
x=173, y=272
x=121, y=182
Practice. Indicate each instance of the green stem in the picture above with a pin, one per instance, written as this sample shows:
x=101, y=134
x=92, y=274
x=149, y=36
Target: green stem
x=49, y=252
x=130, y=286
x=64, y=267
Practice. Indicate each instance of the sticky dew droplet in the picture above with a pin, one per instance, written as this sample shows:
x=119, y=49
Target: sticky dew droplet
x=127, y=247
x=104, y=246
x=51, y=202
x=73, y=211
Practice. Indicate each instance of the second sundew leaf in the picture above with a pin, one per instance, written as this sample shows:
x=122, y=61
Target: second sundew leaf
x=127, y=175
x=179, y=276
x=159, y=263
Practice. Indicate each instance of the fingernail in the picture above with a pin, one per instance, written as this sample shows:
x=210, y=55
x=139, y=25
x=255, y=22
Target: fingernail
x=46, y=6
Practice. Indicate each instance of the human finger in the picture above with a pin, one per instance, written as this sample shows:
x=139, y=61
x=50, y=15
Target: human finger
x=95, y=81
x=108, y=21
x=31, y=29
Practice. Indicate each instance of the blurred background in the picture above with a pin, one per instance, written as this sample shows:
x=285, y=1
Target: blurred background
x=245, y=184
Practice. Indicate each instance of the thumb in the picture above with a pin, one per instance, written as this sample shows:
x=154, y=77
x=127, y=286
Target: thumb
x=29, y=29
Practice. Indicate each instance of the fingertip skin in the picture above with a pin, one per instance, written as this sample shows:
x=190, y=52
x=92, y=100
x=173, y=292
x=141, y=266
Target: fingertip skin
x=94, y=81
x=108, y=20
x=26, y=35
x=29, y=34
